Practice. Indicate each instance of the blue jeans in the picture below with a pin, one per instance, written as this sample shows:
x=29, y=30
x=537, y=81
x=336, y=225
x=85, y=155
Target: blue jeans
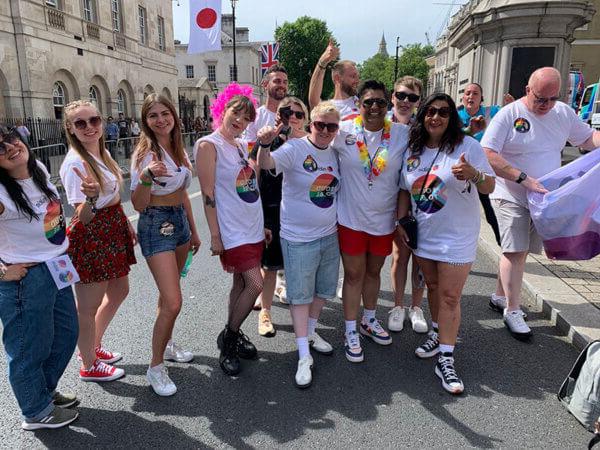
x=40, y=334
x=162, y=229
x=311, y=269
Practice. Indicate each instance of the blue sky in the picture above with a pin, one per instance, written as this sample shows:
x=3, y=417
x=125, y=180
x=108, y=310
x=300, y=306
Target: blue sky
x=357, y=29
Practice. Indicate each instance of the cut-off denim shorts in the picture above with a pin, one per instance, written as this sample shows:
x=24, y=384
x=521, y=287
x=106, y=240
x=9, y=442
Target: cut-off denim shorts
x=311, y=269
x=162, y=229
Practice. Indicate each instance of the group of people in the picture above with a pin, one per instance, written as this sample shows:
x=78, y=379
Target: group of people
x=285, y=189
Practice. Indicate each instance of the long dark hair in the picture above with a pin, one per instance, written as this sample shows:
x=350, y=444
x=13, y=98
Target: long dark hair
x=14, y=189
x=451, y=138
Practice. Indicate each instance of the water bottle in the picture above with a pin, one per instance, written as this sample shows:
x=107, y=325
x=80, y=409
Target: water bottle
x=187, y=264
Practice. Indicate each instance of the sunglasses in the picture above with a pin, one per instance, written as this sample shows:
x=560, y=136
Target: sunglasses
x=369, y=102
x=413, y=98
x=443, y=112
x=331, y=127
x=287, y=112
x=81, y=124
x=544, y=100
x=9, y=138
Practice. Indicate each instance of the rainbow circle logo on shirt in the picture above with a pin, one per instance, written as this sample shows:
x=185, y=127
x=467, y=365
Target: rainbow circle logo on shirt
x=322, y=192
x=66, y=277
x=309, y=164
x=245, y=185
x=412, y=163
x=522, y=125
x=54, y=223
x=434, y=195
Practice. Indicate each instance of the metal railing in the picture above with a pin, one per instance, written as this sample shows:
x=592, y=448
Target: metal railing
x=52, y=156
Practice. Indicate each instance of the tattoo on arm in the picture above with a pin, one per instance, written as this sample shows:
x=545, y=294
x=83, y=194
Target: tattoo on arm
x=208, y=201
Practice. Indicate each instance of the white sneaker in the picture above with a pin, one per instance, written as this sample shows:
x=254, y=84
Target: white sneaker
x=339, y=289
x=498, y=303
x=417, y=319
x=354, y=352
x=281, y=292
x=158, y=377
x=320, y=345
x=515, y=322
x=304, y=373
x=174, y=352
x=396, y=319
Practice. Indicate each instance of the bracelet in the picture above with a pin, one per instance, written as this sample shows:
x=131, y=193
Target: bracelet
x=92, y=202
x=476, y=178
x=3, y=270
x=481, y=179
x=324, y=67
x=261, y=145
x=145, y=183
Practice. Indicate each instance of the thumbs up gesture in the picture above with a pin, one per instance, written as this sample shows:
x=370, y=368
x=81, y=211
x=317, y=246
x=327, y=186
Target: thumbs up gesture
x=463, y=170
x=157, y=168
x=89, y=186
x=331, y=53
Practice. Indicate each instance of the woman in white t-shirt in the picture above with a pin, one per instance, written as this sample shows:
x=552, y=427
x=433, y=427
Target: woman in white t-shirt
x=309, y=240
x=234, y=214
x=444, y=170
x=39, y=320
x=101, y=237
x=160, y=175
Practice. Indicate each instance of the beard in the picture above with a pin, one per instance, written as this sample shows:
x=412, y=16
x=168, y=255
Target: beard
x=348, y=89
x=277, y=93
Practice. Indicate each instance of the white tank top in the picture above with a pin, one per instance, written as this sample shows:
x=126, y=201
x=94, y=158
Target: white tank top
x=239, y=210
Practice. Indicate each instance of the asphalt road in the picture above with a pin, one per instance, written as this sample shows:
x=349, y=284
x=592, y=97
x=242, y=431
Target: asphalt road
x=393, y=399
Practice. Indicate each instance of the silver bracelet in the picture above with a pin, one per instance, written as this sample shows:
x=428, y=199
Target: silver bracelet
x=3, y=270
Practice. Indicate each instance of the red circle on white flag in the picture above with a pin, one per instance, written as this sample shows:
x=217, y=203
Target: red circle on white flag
x=206, y=18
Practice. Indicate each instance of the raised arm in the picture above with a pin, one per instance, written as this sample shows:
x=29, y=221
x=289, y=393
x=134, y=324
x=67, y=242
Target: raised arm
x=315, y=88
x=264, y=139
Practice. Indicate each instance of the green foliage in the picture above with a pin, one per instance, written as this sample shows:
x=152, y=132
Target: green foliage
x=301, y=44
x=380, y=68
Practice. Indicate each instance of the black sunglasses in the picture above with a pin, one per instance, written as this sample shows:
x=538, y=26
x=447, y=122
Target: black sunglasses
x=287, y=112
x=331, y=127
x=413, y=98
x=369, y=102
x=443, y=112
x=544, y=100
x=9, y=138
x=81, y=124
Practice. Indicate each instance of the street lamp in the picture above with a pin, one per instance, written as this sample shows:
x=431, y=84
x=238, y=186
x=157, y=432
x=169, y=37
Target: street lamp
x=396, y=64
x=235, y=74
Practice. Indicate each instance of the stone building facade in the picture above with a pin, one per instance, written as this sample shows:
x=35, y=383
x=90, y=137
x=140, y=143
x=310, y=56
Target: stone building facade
x=585, y=50
x=113, y=52
x=498, y=43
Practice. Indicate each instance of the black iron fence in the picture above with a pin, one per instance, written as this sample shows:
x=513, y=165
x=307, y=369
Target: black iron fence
x=43, y=131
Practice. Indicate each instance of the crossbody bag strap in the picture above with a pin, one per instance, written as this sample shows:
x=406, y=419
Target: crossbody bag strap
x=425, y=179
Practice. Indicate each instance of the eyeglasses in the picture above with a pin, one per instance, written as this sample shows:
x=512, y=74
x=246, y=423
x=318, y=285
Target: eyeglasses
x=369, y=102
x=413, y=98
x=443, y=112
x=287, y=112
x=544, y=100
x=9, y=138
x=331, y=127
x=81, y=124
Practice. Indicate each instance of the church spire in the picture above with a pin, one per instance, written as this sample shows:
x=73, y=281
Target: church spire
x=383, y=46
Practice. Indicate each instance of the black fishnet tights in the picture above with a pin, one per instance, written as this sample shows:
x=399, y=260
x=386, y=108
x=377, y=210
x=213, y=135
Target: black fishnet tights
x=246, y=288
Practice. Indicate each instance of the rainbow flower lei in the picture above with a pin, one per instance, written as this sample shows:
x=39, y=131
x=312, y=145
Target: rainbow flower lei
x=376, y=165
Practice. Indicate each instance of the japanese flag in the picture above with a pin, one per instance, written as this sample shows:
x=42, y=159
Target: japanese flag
x=205, y=26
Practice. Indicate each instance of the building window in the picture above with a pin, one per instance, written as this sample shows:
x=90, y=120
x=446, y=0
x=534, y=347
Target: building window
x=121, y=100
x=212, y=73
x=58, y=95
x=232, y=74
x=93, y=94
x=53, y=3
x=189, y=71
x=115, y=7
x=161, y=34
x=89, y=10
x=142, y=18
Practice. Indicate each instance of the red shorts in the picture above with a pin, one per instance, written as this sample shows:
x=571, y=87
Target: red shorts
x=355, y=243
x=242, y=258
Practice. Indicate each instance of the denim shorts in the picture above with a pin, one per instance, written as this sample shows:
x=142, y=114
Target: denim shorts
x=311, y=269
x=162, y=229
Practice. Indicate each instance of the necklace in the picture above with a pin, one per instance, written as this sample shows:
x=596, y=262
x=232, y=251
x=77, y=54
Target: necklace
x=373, y=167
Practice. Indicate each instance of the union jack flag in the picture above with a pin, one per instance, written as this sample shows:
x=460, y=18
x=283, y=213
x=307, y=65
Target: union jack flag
x=269, y=56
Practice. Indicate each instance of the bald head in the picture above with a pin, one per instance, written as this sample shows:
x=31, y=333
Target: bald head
x=543, y=90
x=544, y=78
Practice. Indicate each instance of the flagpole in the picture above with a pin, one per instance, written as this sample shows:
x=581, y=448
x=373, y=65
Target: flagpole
x=235, y=73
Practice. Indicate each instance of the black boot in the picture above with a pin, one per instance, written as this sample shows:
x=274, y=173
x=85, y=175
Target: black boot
x=246, y=349
x=228, y=360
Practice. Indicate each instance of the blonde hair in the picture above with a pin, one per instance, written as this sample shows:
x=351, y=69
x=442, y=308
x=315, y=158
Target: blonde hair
x=412, y=83
x=76, y=145
x=340, y=66
x=291, y=100
x=324, y=108
x=148, y=142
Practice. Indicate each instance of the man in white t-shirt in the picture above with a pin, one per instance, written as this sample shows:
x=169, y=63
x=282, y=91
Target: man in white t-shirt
x=345, y=81
x=524, y=142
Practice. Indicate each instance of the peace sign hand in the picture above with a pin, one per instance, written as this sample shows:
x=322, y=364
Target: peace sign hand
x=157, y=167
x=89, y=186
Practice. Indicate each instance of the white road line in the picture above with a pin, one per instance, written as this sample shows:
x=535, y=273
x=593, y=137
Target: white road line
x=135, y=217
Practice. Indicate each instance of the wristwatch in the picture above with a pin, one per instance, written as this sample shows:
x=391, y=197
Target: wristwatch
x=522, y=177
x=92, y=202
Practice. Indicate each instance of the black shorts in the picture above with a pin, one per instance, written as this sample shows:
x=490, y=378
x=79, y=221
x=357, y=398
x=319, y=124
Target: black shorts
x=272, y=259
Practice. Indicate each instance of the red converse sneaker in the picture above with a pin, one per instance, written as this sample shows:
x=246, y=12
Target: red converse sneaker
x=106, y=356
x=101, y=371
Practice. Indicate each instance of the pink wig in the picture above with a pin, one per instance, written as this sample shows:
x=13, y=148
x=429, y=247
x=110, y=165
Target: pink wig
x=218, y=106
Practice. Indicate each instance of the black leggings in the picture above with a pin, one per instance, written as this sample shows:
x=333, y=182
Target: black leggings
x=490, y=216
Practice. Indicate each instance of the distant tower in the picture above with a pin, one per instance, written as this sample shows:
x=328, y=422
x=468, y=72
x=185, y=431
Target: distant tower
x=383, y=46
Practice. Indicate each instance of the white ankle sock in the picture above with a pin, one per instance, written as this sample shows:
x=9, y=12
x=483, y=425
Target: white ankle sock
x=446, y=348
x=435, y=327
x=302, y=343
x=312, y=324
x=368, y=314
x=350, y=325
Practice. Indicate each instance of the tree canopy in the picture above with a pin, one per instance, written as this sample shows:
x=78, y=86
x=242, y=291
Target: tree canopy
x=301, y=43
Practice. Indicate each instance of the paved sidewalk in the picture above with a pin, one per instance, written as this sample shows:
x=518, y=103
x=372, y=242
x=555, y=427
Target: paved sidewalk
x=568, y=292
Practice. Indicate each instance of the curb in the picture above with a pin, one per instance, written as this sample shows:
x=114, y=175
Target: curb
x=572, y=314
